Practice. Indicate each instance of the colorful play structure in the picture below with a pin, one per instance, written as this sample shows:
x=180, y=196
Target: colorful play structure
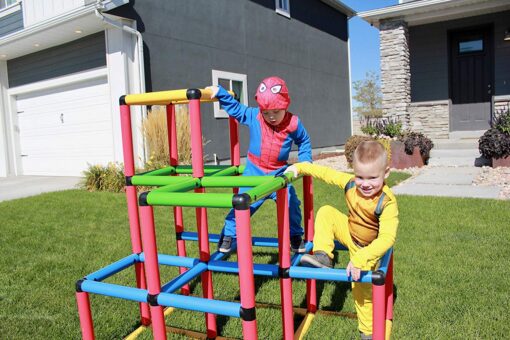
x=177, y=191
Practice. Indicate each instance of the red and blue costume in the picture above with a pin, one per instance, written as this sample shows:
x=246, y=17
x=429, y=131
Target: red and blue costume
x=270, y=145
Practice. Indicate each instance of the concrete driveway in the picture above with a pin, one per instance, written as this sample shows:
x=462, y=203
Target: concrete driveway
x=24, y=186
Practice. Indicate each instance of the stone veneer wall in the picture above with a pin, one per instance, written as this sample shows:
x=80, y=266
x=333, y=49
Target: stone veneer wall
x=395, y=70
x=502, y=103
x=431, y=118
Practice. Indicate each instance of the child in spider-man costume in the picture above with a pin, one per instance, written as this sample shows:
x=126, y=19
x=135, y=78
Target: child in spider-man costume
x=273, y=129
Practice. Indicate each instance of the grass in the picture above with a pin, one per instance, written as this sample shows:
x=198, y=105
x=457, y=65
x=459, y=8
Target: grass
x=450, y=268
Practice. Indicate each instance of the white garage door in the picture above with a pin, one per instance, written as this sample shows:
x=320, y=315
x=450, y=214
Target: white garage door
x=64, y=128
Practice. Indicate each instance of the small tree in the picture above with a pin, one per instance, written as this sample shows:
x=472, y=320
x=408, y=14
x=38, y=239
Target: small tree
x=368, y=94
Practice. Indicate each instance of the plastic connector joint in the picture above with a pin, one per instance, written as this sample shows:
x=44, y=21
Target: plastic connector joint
x=378, y=278
x=152, y=299
x=193, y=94
x=247, y=314
x=78, y=285
x=142, y=199
x=283, y=273
x=122, y=100
x=241, y=201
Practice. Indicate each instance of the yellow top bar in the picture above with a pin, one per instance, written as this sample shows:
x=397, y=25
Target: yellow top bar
x=167, y=97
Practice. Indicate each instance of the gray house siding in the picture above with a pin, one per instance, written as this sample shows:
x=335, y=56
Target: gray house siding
x=79, y=55
x=185, y=40
x=11, y=23
x=429, y=56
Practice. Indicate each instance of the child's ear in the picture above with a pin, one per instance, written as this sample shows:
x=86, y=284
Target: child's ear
x=386, y=172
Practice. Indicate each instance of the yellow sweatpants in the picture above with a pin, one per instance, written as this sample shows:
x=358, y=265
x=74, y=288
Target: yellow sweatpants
x=331, y=225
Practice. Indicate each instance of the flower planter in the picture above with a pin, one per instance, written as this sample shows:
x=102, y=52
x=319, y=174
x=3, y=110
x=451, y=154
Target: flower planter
x=401, y=160
x=497, y=162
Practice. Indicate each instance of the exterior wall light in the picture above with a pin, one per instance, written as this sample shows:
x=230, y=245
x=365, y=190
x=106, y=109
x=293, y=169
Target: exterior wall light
x=507, y=35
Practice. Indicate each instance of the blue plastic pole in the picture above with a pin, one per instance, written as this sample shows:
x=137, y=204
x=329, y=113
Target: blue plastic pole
x=113, y=268
x=326, y=274
x=184, y=278
x=172, y=260
x=270, y=270
x=113, y=290
x=200, y=304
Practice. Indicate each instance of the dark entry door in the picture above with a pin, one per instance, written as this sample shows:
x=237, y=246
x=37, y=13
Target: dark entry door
x=471, y=74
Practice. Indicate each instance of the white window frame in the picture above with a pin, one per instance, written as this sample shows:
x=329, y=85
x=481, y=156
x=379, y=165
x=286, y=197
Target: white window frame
x=281, y=9
x=12, y=8
x=217, y=74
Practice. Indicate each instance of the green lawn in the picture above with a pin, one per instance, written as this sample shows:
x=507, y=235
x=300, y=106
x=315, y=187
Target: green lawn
x=451, y=268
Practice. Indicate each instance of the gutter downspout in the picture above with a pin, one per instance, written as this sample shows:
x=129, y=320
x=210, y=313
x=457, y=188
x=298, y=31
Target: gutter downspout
x=141, y=68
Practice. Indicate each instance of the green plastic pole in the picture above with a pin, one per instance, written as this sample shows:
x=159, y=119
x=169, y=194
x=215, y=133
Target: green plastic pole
x=209, y=200
x=185, y=185
x=159, y=172
x=158, y=180
x=234, y=181
x=231, y=171
x=266, y=189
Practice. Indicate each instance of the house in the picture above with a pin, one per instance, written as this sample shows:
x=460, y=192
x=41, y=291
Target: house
x=64, y=65
x=444, y=63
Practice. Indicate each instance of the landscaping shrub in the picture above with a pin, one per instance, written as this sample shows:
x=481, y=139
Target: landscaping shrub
x=104, y=178
x=494, y=144
x=412, y=139
x=379, y=126
x=155, y=133
x=502, y=121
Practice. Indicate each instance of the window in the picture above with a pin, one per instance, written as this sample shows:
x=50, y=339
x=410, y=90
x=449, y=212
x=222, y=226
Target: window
x=470, y=46
x=7, y=3
x=230, y=81
x=282, y=7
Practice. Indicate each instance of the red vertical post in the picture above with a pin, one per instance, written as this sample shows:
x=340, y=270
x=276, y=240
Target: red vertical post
x=235, y=155
x=282, y=204
x=311, y=285
x=389, y=291
x=86, y=324
x=152, y=268
x=197, y=162
x=132, y=203
x=246, y=278
x=378, y=310
x=174, y=161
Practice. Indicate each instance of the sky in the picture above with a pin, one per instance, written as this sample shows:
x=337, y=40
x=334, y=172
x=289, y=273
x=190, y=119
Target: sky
x=364, y=39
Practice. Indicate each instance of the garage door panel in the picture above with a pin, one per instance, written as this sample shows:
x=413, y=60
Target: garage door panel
x=63, y=129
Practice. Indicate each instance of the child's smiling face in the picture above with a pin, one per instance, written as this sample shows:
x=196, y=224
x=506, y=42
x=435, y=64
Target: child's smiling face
x=273, y=117
x=369, y=177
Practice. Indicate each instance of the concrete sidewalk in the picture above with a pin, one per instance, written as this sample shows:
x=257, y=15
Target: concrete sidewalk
x=24, y=186
x=447, y=181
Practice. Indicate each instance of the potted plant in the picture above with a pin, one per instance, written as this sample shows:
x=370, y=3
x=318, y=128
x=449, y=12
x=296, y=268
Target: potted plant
x=495, y=142
x=408, y=149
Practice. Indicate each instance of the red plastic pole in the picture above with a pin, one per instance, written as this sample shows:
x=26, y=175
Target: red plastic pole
x=378, y=311
x=86, y=324
x=197, y=162
x=282, y=204
x=245, y=261
x=174, y=161
x=152, y=268
x=311, y=285
x=389, y=291
x=235, y=156
x=132, y=204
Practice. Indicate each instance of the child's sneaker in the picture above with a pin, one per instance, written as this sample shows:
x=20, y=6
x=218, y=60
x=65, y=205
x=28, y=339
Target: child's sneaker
x=319, y=259
x=225, y=244
x=296, y=244
x=365, y=336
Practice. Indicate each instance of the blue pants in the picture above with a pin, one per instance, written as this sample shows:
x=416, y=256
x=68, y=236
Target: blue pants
x=229, y=228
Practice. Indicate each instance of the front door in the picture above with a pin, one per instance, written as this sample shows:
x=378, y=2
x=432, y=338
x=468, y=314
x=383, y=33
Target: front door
x=471, y=79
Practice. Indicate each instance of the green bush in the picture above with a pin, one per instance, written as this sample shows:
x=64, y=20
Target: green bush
x=502, y=121
x=104, y=178
x=382, y=127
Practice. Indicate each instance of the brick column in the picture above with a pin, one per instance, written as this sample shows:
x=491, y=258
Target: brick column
x=395, y=70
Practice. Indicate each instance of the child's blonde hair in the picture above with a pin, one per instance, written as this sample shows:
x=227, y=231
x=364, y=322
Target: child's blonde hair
x=370, y=152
